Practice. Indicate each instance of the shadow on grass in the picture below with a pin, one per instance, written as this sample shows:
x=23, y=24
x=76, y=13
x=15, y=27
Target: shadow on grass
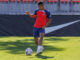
x=44, y=57
x=55, y=39
x=19, y=46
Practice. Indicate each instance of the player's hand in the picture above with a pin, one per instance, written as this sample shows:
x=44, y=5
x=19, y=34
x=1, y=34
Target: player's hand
x=27, y=13
x=43, y=27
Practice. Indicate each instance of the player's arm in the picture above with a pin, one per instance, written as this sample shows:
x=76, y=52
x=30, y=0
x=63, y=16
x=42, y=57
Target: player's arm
x=49, y=20
x=32, y=16
x=48, y=23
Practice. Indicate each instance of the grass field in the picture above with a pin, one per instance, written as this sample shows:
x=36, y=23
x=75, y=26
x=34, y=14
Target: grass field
x=56, y=48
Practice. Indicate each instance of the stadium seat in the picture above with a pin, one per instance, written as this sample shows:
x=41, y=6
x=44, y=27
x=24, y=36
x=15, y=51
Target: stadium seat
x=14, y=1
x=75, y=1
x=29, y=1
x=51, y=1
x=39, y=0
x=3, y=0
x=65, y=1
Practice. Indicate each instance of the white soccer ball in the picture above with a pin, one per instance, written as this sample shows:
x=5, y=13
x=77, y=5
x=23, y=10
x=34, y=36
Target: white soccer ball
x=28, y=51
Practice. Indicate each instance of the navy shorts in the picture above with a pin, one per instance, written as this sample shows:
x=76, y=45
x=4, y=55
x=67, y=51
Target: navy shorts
x=37, y=31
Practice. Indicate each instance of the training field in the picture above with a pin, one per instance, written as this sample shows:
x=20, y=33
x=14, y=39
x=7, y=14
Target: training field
x=56, y=48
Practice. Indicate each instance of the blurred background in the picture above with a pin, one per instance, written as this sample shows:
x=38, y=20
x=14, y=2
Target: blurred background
x=14, y=22
x=56, y=7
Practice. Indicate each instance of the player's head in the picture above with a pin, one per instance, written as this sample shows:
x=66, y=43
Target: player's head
x=41, y=5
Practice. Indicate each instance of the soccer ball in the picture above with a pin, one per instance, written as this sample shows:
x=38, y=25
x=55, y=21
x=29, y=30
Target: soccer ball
x=28, y=51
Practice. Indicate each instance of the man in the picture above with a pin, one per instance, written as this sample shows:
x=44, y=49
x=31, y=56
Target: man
x=43, y=19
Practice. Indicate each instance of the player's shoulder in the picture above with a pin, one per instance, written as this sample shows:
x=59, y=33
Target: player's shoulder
x=36, y=10
x=46, y=11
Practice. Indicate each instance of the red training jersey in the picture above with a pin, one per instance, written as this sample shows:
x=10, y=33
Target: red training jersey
x=41, y=19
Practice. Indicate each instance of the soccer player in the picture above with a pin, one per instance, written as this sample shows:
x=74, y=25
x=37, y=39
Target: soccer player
x=43, y=19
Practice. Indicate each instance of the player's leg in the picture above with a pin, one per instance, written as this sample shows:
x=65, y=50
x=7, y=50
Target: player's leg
x=36, y=35
x=41, y=39
x=36, y=40
x=40, y=47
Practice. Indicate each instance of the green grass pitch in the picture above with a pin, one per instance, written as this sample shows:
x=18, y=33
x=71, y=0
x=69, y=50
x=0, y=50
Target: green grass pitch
x=55, y=48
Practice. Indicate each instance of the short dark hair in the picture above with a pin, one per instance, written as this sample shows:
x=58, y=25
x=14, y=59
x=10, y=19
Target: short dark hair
x=40, y=3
